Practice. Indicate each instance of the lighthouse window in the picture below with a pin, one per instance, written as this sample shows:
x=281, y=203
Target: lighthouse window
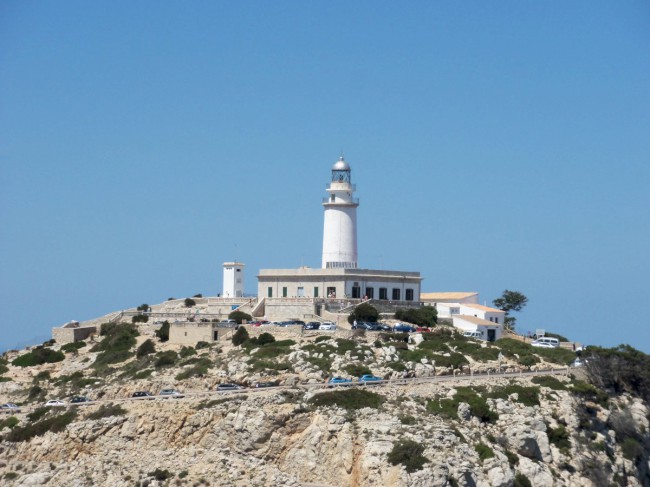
x=332, y=198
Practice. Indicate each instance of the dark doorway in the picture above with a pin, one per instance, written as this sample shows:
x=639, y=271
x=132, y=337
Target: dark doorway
x=356, y=292
x=491, y=335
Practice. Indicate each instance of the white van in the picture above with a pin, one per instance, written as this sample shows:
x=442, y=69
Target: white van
x=546, y=342
x=473, y=334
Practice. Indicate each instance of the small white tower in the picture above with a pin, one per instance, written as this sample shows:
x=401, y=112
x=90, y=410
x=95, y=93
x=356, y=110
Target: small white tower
x=340, y=230
x=233, y=280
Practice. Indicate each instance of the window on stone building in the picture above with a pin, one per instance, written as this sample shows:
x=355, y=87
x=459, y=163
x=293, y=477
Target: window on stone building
x=383, y=293
x=284, y=292
x=370, y=292
x=408, y=295
x=396, y=294
x=269, y=292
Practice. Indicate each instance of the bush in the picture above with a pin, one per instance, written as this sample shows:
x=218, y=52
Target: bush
x=350, y=399
x=240, y=316
x=521, y=481
x=42, y=375
x=116, y=345
x=146, y=348
x=200, y=369
x=106, y=411
x=632, y=449
x=160, y=475
x=555, y=335
x=73, y=346
x=11, y=422
x=144, y=307
x=513, y=458
x=38, y=356
x=409, y=454
x=357, y=369
x=187, y=352
x=364, y=312
x=426, y=315
x=240, y=336
x=559, y=437
x=560, y=356
x=163, y=331
x=549, y=381
x=54, y=424
x=484, y=451
x=265, y=338
x=189, y=302
x=165, y=359
x=528, y=396
x=140, y=319
x=589, y=392
x=449, y=407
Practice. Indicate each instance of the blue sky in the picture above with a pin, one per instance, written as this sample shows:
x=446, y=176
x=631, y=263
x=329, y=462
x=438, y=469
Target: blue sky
x=494, y=145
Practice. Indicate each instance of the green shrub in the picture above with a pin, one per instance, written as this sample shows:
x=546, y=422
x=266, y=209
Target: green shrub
x=189, y=302
x=632, y=449
x=116, y=345
x=76, y=380
x=549, y=381
x=163, y=332
x=183, y=474
x=200, y=369
x=555, y=335
x=42, y=375
x=144, y=307
x=449, y=407
x=378, y=344
x=240, y=316
x=10, y=476
x=396, y=366
x=187, y=352
x=484, y=451
x=73, y=346
x=106, y=411
x=357, y=369
x=36, y=392
x=37, y=414
x=323, y=364
x=408, y=420
x=322, y=338
x=589, y=392
x=261, y=364
x=160, y=474
x=165, y=359
x=53, y=423
x=364, y=312
x=513, y=458
x=559, y=437
x=38, y=356
x=265, y=338
x=140, y=319
x=528, y=396
x=200, y=345
x=349, y=399
x=521, y=480
x=240, y=336
x=560, y=356
x=425, y=316
x=409, y=454
x=146, y=348
x=485, y=354
x=11, y=422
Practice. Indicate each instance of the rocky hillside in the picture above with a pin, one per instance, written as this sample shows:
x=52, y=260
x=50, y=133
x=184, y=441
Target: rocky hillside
x=447, y=426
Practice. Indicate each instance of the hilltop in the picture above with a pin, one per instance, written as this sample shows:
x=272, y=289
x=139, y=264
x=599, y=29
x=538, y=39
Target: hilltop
x=542, y=423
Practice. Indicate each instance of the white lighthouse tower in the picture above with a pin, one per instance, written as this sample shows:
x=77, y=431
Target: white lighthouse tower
x=233, y=279
x=340, y=229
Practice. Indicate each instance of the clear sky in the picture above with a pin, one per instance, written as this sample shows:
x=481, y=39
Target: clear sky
x=494, y=145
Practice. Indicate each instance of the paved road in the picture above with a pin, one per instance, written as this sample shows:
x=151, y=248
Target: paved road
x=325, y=386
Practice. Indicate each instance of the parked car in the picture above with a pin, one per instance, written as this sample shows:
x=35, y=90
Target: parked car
x=403, y=327
x=143, y=394
x=9, y=408
x=384, y=327
x=546, y=342
x=79, y=399
x=577, y=363
x=228, y=387
x=369, y=378
x=328, y=325
x=312, y=325
x=361, y=325
x=171, y=393
x=255, y=323
x=339, y=380
x=473, y=334
x=423, y=329
x=266, y=384
x=57, y=403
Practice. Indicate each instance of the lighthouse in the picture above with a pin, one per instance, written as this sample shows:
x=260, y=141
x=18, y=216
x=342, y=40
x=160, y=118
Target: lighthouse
x=340, y=228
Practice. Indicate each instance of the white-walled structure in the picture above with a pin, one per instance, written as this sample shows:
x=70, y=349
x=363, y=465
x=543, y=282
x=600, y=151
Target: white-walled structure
x=449, y=310
x=489, y=331
x=233, y=279
x=449, y=297
x=340, y=223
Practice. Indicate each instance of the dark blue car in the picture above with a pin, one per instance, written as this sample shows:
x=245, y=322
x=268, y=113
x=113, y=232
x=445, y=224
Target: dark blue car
x=402, y=327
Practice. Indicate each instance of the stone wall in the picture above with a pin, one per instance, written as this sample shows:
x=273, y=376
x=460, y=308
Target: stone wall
x=279, y=309
x=192, y=333
x=70, y=335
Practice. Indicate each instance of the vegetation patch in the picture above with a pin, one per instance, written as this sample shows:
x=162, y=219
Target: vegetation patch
x=364, y=312
x=409, y=454
x=54, y=424
x=199, y=369
x=484, y=451
x=119, y=339
x=520, y=351
x=165, y=359
x=11, y=422
x=560, y=356
x=589, y=392
x=216, y=402
x=528, y=396
x=106, y=411
x=424, y=316
x=40, y=355
x=549, y=381
x=350, y=399
x=357, y=369
x=146, y=348
x=187, y=352
x=160, y=474
x=163, y=332
x=73, y=346
x=559, y=437
x=449, y=407
x=521, y=480
x=76, y=380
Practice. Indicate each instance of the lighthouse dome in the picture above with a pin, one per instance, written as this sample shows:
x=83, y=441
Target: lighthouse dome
x=341, y=165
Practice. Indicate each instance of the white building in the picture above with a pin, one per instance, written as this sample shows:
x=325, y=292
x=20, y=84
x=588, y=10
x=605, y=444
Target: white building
x=489, y=330
x=233, y=279
x=449, y=297
x=449, y=310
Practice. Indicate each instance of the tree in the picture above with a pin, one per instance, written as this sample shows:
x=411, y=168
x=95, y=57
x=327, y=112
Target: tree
x=189, y=302
x=240, y=316
x=146, y=348
x=424, y=316
x=364, y=312
x=144, y=307
x=240, y=336
x=163, y=331
x=510, y=301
